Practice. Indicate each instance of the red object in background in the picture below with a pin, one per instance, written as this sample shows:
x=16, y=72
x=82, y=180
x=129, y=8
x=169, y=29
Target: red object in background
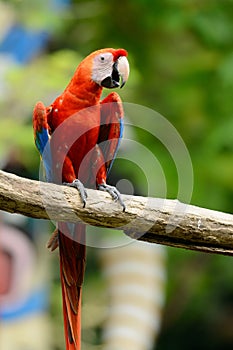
x=6, y=271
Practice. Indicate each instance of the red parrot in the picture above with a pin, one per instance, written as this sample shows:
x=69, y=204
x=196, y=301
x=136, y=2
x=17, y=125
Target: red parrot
x=78, y=136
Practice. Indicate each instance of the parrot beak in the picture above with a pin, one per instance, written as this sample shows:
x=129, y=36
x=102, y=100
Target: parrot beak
x=119, y=76
x=123, y=69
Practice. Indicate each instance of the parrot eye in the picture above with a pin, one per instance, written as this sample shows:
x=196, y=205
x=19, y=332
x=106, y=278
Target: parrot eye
x=105, y=57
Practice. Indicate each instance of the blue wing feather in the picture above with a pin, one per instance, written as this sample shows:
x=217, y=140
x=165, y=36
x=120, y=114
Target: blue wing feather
x=42, y=141
x=42, y=137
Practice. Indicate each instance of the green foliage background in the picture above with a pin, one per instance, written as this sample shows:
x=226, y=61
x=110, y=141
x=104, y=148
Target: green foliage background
x=181, y=57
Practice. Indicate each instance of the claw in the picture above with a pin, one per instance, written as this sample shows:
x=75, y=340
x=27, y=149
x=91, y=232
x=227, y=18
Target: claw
x=113, y=191
x=80, y=187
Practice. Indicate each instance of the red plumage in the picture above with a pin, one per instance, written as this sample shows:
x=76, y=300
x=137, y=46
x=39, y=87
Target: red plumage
x=77, y=126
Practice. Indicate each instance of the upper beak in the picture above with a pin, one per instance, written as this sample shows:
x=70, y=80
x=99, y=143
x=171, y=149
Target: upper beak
x=123, y=69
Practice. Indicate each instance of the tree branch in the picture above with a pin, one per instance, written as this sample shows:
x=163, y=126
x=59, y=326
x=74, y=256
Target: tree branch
x=154, y=220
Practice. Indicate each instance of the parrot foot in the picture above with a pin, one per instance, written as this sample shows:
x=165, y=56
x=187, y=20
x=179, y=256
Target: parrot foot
x=113, y=191
x=80, y=187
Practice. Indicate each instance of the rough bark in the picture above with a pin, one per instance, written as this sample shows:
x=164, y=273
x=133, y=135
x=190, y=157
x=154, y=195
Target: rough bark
x=155, y=220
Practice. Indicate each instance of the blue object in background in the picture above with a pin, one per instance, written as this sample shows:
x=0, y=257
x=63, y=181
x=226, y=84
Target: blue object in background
x=23, y=44
x=37, y=302
x=59, y=4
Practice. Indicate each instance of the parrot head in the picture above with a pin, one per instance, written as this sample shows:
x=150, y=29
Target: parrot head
x=107, y=68
x=110, y=68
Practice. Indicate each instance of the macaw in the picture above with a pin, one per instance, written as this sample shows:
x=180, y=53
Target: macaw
x=78, y=136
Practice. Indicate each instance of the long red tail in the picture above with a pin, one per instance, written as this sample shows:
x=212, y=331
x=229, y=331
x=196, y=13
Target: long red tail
x=72, y=267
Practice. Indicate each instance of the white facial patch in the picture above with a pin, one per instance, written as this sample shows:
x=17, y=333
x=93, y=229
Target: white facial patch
x=102, y=67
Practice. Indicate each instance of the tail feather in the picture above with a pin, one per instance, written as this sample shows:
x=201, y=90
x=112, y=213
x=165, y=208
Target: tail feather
x=72, y=322
x=72, y=267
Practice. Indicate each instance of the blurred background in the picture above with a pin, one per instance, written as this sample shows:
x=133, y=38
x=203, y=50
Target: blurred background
x=181, y=58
